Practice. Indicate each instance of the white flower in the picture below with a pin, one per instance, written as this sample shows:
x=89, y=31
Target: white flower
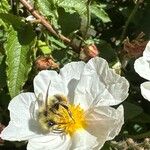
x=142, y=67
x=90, y=89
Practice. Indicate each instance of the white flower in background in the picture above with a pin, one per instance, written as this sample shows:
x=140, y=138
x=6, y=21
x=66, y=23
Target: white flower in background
x=142, y=67
x=83, y=122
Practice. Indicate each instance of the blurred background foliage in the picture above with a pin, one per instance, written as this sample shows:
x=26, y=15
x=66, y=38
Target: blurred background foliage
x=116, y=30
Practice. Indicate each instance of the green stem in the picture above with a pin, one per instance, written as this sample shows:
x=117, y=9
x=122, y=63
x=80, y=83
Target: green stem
x=88, y=18
x=128, y=20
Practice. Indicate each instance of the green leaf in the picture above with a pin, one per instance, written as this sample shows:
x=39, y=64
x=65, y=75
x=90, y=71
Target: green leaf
x=131, y=110
x=26, y=34
x=13, y=20
x=100, y=13
x=68, y=22
x=49, y=7
x=56, y=43
x=44, y=47
x=46, y=7
x=72, y=6
x=4, y=6
x=2, y=71
x=18, y=62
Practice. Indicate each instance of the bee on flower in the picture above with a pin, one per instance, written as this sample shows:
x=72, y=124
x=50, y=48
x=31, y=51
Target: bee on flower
x=70, y=110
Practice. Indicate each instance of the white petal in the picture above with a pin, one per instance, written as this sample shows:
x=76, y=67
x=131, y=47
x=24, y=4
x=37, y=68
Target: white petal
x=71, y=71
x=142, y=67
x=50, y=142
x=146, y=53
x=105, y=123
x=99, y=82
x=49, y=80
x=145, y=90
x=70, y=74
x=20, y=126
x=82, y=140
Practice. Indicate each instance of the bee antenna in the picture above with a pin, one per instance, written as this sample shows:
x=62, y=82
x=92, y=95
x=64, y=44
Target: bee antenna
x=46, y=98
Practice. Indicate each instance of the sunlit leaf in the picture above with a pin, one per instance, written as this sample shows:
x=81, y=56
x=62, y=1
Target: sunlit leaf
x=4, y=6
x=18, y=63
x=100, y=13
x=72, y=6
x=44, y=47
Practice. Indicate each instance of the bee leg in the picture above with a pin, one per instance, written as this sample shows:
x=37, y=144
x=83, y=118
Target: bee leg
x=54, y=112
x=69, y=112
x=57, y=130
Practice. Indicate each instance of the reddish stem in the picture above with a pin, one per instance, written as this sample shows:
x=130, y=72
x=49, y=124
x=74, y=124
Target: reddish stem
x=44, y=22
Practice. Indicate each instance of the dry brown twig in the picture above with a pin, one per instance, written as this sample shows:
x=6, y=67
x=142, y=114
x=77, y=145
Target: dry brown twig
x=44, y=22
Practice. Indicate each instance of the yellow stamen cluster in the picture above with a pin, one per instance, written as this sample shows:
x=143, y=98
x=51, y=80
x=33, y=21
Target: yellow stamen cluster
x=72, y=120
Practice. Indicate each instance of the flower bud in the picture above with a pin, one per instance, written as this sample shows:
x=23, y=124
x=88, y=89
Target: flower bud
x=88, y=51
x=45, y=62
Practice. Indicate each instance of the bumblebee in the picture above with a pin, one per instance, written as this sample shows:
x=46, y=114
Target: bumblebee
x=49, y=116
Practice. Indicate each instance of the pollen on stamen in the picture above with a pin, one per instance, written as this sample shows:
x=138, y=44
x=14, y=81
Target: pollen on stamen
x=74, y=121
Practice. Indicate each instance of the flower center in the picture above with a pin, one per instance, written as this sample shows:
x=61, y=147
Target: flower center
x=56, y=115
x=72, y=120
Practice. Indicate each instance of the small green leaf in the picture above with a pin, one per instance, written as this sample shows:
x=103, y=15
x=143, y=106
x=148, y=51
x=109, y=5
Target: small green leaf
x=18, y=63
x=100, y=13
x=43, y=47
x=56, y=43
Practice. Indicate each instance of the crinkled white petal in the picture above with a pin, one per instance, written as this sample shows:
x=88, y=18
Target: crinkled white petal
x=105, y=123
x=49, y=80
x=20, y=126
x=82, y=140
x=146, y=53
x=142, y=67
x=145, y=90
x=71, y=71
x=99, y=82
x=70, y=74
x=50, y=142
